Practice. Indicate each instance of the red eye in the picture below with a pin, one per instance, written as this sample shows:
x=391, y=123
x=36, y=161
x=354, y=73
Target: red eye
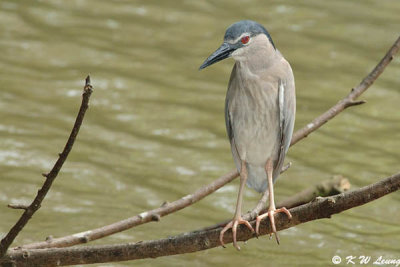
x=245, y=39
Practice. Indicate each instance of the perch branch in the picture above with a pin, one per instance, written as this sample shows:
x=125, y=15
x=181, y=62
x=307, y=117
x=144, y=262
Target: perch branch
x=196, y=241
x=94, y=234
x=50, y=177
x=336, y=185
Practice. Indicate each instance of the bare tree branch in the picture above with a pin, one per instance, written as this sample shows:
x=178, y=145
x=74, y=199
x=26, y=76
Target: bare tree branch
x=50, y=177
x=349, y=100
x=186, y=201
x=144, y=217
x=196, y=241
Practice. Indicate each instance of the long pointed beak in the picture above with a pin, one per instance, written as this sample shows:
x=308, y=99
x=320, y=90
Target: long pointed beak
x=224, y=51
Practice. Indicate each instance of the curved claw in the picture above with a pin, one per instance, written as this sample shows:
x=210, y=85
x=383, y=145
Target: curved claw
x=234, y=224
x=271, y=214
x=286, y=211
x=258, y=221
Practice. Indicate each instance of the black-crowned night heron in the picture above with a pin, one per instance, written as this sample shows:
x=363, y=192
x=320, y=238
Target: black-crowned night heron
x=260, y=109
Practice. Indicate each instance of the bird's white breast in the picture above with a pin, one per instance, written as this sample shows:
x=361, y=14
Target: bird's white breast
x=254, y=113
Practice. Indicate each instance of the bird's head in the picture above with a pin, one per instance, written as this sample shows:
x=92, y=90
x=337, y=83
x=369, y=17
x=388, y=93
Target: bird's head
x=241, y=39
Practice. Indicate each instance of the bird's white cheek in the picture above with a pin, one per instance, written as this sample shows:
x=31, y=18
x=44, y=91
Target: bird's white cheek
x=238, y=54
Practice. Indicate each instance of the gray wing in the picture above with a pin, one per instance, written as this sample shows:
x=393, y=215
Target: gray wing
x=229, y=122
x=287, y=111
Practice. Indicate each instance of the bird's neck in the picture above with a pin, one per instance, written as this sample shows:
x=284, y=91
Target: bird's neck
x=259, y=61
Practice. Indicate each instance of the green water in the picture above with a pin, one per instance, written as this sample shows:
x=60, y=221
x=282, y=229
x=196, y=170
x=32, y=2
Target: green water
x=155, y=128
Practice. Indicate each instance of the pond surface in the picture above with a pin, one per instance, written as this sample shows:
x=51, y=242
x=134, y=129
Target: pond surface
x=155, y=129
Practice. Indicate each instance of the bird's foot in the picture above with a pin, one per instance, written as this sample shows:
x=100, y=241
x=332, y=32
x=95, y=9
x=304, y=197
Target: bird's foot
x=233, y=224
x=270, y=213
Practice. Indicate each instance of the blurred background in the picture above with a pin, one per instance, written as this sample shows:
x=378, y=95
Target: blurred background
x=155, y=129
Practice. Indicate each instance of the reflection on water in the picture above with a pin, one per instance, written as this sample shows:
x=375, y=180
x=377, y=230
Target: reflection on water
x=155, y=129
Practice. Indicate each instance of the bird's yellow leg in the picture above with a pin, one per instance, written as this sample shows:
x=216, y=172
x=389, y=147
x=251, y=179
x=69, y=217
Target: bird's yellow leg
x=271, y=210
x=237, y=218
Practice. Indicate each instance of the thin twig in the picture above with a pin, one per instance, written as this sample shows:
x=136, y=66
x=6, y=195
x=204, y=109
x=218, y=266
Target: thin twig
x=349, y=100
x=197, y=241
x=97, y=233
x=18, y=206
x=51, y=176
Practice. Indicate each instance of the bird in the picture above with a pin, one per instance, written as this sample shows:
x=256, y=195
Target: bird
x=260, y=109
